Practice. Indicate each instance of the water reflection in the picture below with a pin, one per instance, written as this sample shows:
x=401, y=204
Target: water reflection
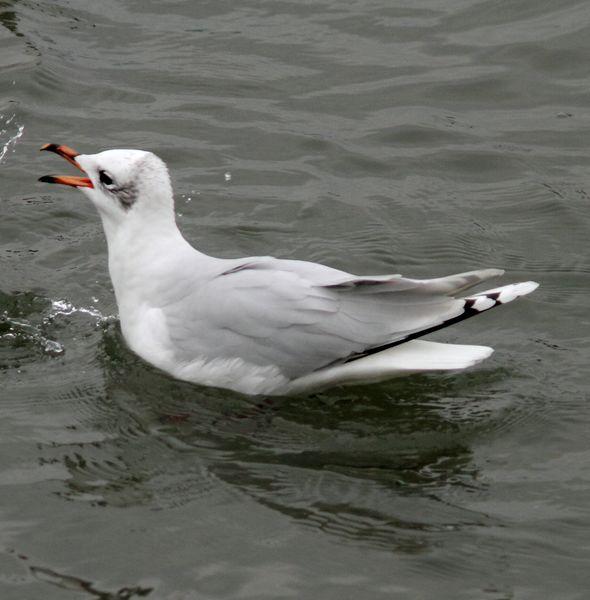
x=8, y=16
x=369, y=465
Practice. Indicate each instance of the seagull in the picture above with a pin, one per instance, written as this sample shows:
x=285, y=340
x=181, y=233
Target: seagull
x=262, y=325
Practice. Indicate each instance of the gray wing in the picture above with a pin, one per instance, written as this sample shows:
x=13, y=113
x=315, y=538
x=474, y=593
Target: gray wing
x=302, y=316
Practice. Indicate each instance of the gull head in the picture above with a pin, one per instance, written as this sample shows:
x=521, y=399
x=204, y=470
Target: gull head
x=126, y=186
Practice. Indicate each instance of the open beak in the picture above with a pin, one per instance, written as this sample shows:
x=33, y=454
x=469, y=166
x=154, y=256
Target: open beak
x=70, y=155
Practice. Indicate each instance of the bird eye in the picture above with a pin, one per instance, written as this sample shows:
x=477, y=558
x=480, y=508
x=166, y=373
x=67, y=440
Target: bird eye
x=105, y=178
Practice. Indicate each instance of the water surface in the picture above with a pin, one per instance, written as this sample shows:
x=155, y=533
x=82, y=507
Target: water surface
x=417, y=137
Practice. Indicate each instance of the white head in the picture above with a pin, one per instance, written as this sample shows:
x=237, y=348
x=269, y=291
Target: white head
x=128, y=187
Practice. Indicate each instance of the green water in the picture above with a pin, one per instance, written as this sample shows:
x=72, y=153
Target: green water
x=420, y=137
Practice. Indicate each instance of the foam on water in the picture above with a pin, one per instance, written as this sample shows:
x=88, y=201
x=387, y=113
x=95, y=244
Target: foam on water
x=8, y=125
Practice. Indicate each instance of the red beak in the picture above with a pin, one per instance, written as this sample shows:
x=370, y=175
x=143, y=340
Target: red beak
x=70, y=155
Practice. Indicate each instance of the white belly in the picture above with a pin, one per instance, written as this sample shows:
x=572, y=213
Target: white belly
x=145, y=331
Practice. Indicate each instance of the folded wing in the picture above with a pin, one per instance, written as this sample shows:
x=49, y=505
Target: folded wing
x=302, y=317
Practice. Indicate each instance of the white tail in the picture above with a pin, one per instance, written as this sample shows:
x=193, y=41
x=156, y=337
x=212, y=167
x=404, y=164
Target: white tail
x=410, y=355
x=416, y=356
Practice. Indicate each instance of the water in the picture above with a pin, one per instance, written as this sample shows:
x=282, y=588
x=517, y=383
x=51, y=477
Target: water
x=418, y=137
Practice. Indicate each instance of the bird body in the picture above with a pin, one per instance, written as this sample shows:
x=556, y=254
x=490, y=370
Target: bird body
x=261, y=325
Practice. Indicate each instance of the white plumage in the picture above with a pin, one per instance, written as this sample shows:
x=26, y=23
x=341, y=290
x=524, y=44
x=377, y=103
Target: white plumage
x=262, y=325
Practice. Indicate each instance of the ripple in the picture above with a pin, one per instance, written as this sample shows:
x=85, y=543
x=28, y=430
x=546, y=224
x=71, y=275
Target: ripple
x=22, y=338
x=421, y=138
x=69, y=582
x=27, y=322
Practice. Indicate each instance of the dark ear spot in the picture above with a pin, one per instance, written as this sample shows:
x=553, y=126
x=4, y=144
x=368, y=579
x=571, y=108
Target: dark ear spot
x=127, y=196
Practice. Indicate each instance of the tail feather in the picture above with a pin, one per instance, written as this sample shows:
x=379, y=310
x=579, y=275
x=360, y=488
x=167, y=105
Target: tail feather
x=503, y=294
x=473, y=305
x=410, y=355
x=416, y=356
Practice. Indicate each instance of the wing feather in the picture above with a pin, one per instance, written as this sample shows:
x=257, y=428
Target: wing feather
x=302, y=316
